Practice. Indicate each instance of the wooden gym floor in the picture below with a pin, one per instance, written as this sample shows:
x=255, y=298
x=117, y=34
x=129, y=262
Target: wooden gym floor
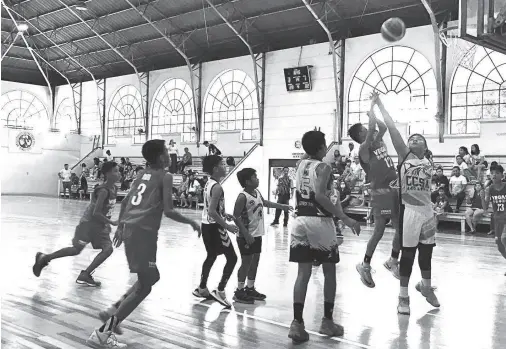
x=54, y=312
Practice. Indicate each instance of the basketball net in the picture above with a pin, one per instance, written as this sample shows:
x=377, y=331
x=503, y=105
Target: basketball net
x=462, y=51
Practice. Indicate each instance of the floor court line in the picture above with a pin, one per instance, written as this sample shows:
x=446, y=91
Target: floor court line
x=337, y=339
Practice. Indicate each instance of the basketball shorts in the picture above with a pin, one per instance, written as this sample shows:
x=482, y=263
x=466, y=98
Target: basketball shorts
x=96, y=234
x=140, y=249
x=216, y=239
x=247, y=250
x=419, y=226
x=314, y=240
x=385, y=202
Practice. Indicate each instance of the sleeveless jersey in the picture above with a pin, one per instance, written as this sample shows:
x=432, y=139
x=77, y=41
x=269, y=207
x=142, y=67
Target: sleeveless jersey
x=206, y=219
x=416, y=179
x=107, y=208
x=305, y=202
x=144, y=207
x=498, y=198
x=380, y=168
x=252, y=215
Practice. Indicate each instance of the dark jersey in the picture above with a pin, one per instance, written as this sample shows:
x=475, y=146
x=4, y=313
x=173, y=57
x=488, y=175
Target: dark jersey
x=107, y=208
x=498, y=198
x=380, y=169
x=144, y=206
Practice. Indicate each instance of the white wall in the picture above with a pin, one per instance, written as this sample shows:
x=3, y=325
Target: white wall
x=90, y=118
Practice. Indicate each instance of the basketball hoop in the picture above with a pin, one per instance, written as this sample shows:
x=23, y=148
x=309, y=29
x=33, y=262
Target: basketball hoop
x=462, y=51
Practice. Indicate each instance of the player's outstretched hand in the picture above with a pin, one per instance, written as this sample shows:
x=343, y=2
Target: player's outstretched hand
x=196, y=227
x=118, y=238
x=353, y=225
x=232, y=228
x=374, y=97
x=288, y=208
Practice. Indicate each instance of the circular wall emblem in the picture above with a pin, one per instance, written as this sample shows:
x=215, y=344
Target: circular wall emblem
x=298, y=144
x=25, y=141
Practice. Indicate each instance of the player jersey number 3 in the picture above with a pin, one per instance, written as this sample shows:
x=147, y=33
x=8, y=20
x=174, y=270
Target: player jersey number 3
x=141, y=188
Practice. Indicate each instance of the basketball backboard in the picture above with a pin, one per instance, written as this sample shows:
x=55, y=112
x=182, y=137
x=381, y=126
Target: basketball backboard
x=483, y=22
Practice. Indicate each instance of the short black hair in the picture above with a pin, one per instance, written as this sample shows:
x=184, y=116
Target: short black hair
x=108, y=166
x=83, y=165
x=497, y=168
x=493, y=163
x=205, y=143
x=312, y=141
x=210, y=162
x=138, y=168
x=152, y=149
x=245, y=175
x=286, y=167
x=456, y=167
x=459, y=156
x=65, y=164
x=354, y=131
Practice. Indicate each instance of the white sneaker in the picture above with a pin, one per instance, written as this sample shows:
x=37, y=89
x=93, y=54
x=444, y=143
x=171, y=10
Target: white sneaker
x=365, y=274
x=403, y=306
x=201, y=293
x=104, y=340
x=393, y=267
x=221, y=298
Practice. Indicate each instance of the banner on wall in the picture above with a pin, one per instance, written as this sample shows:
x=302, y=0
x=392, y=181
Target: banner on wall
x=23, y=141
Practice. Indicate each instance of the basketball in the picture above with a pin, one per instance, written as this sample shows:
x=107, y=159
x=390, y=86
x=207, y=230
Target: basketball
x=393, y=29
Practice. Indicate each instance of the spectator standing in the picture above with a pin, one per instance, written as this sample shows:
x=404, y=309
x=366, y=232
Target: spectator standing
x=85, y=173
x=212, y=149
x=183, y=192
x=109, y=156
x=65, y=175
x=440, y=181
x=186, y=160
x=476, y=211
x=173, y=153
x=193, y=188
x=284, y=193
x=352, y=152
x=356, y=172
x=457, y=187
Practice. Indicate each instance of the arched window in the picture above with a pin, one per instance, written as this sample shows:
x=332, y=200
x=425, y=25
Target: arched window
x=231, y=104
x=126, y=115
x=65, y=120
x=407, y=83
x=478, y=93
x=24, y=110
x=172, y=110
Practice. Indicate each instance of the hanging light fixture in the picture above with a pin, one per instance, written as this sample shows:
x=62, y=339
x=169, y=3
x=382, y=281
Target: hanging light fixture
x=81, y=5
x=22, y=27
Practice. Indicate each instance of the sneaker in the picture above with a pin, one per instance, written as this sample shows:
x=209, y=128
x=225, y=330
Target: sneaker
x=491, y=232
x=253, y=293
x=86, y=279
x=403, y=306
x=274, y=224
x=330, y=328
x=40, y=263
x=428, y=293
x=285, y=225
x=104, y=316
x=104, y=340
x=298, y=332
x=393, y=266
x=221, y=298
x=242, y=296
x=202, y=293
x=365, y=274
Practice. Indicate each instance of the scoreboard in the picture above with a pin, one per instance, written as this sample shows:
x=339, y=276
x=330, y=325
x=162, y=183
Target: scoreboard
x=298, y=79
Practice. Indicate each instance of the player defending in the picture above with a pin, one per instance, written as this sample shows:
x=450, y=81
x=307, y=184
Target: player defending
x=249, y=217
x=384, y=199
x=497, y=193
x=214, y=231
x=139, y=221
x=94, y=228
x=418, y=224
x=314, y=234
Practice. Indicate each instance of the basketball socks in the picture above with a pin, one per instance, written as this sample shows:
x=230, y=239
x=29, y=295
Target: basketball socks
x=404, y=292
x=328, y=309
x=426, y=282
x=251, y=283
x=298, y=308
x=240, y=285
x=367, y=259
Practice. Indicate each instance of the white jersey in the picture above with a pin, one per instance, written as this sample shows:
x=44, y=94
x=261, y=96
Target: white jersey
x=305, y=202
x=416, y=181
x=206, y=219
x=252, y=215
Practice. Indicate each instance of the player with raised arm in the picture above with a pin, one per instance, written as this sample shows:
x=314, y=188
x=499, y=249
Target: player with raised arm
x=139, y=221
x=496, y=193
x=418, y=224
x=374, y=157
x=313, y=234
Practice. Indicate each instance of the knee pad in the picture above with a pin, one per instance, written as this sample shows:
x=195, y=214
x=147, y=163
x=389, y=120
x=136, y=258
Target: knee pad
x=407, y=261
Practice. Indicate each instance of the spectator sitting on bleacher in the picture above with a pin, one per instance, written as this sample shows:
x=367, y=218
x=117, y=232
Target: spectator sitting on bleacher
x=193, y=188
x=352, y=151
x=183, y=192
x=464, y=153
x=96, y=171
x=440, y=181
x=185, y=161
x=109, y=156
x=335, y=161
x=462, y=165
x=478, y=163
x=457, y=187
x=442, y=203
x=356, y=172
x=213, y=150
x=203, y=181
x=344, y=192
x=475, y=212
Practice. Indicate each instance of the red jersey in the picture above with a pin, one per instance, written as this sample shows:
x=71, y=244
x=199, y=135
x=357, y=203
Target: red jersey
x=107, y=208
x=144, y=208
x=381, y=169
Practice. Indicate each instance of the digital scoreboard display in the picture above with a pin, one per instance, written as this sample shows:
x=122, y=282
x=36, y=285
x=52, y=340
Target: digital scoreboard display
x=298, y=79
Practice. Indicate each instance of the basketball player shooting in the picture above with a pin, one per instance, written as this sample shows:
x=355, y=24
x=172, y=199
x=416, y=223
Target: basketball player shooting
x=418, y=224
x=384, y=199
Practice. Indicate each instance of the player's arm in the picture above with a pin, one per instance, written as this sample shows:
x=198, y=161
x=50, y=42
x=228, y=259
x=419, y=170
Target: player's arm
x=239, y=206
x=323, y=173
x=216, y=193
x=363, y=150
x=485, y=198
x=168, y=207
x=275, y=205
x=99, y=207
x=382, y=129
x=400, y=146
